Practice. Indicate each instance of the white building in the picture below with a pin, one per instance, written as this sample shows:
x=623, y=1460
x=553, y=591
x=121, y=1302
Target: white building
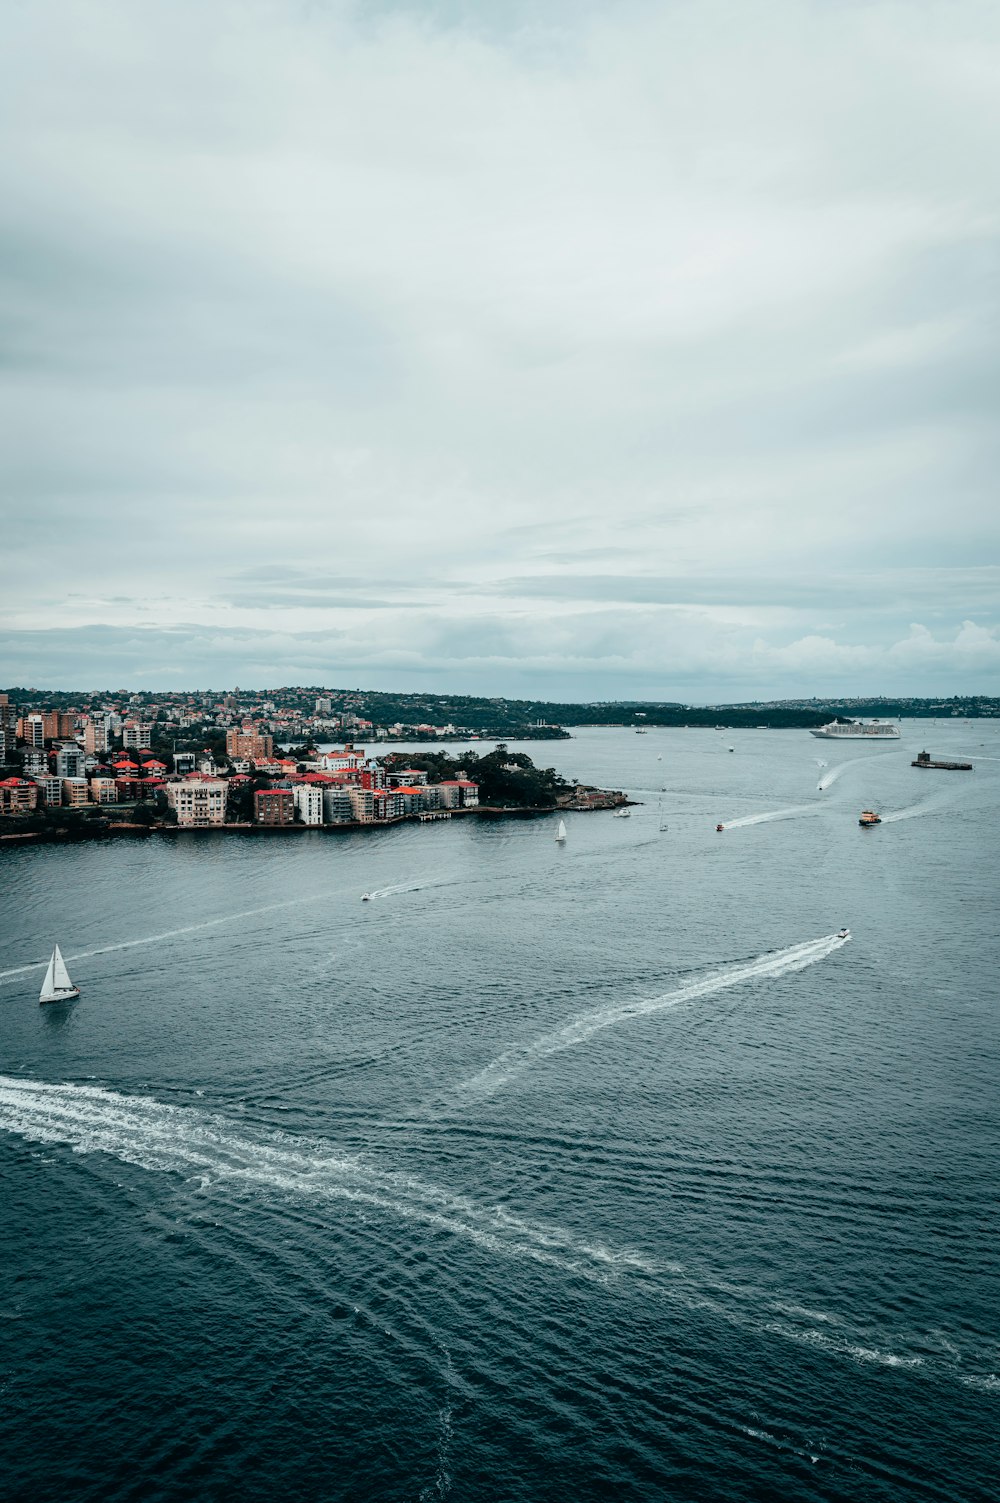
x=308, y=803
x=199, y=801
x=137, y=735
x=71, y=761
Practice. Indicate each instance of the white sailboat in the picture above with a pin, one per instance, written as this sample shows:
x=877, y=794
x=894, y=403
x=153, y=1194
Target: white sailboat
x=561, y=832
x=57, y=986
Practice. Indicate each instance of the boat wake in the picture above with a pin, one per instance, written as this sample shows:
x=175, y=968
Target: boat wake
x=513, y=1062
x=155, y=939
x=231, y=1161
x=763, y=819
x=913, y=811
x=216, y=1153
x=829, y=778
x=417, y=885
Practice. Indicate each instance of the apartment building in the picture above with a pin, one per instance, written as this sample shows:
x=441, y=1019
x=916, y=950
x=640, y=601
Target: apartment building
x=274, y=806
x=103, y=790
x=199, y=802
x=50, y=787
x=75, y=792
x=308, y=803
x=137, y=734
x=17, y=796
x=71, y=761
x=248, y=743
x=338, y=808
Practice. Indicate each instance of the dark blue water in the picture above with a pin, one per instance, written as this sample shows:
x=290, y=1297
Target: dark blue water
x=593, y=1172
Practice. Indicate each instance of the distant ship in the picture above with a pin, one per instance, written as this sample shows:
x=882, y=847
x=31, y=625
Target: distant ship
x=858, y=730
x=57, y=986
x=869, y=817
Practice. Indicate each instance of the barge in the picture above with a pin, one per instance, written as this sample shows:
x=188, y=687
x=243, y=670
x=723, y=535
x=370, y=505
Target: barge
x=925, y=760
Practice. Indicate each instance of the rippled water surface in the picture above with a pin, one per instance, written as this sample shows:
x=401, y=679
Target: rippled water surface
x=583, y=1172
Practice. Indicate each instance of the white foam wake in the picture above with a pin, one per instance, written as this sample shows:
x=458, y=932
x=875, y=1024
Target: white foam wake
x=521, y=1057
x=763, y=819
x=215, y=1152
x=829, y=778
x=155, y=939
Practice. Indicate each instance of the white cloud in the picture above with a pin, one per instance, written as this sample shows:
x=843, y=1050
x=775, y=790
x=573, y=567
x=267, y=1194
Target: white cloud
x=705, y=290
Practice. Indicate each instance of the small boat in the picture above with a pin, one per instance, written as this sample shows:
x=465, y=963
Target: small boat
x=623, y=813
x=843, y=933
x=732, y=748
x=659, y=756
x=57, y=986
x=366, y=897
x=719, y=829
x=869, y=817
x=561, y=832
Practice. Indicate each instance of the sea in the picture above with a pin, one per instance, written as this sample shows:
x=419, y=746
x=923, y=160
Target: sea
x=603, y=1170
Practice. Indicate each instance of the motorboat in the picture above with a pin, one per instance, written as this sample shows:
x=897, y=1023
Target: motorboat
x=366, y=897
x=719, y=829
x=623, y=814
x=868, y=818
x=843, y=933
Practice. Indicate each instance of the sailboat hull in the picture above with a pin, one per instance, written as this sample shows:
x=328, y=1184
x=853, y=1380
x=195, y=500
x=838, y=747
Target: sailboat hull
x=63, y=996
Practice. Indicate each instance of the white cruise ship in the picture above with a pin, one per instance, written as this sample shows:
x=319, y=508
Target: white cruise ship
x=858, y=730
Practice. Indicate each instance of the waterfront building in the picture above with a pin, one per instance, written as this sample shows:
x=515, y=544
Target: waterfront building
x=50, y=787
x=338, y=808
x=103, y=790
x=75, y=791
x=18, y=796
x=308, y=803
x=342, y=761
x=363, y=804
x=128, y=790
x=409, y=775
x=274, y=806
x=199, y=801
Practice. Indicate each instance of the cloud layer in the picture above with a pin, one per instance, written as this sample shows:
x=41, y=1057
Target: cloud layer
x=634, y=349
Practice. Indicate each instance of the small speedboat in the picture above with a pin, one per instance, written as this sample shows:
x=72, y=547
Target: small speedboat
x=869, y=817
x=366, y=897
x=719, y=829
x=623, y=814
x=843, y=933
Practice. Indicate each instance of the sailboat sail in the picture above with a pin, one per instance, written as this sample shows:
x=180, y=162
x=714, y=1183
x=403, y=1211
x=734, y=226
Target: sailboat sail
x=48, y=985
x=561, y=832
x=61, y=977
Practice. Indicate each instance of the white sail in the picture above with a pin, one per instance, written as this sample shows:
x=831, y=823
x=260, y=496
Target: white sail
x=561, y=832
x=48, y=985
x=62, y=981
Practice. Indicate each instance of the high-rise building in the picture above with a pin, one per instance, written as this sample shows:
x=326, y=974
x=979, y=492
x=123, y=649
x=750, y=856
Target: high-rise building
x=308, y=803
x=137, y=734
x=274, y=806
x=71, y=761
x=96, y=738
x=199, y=801
x=248, y=743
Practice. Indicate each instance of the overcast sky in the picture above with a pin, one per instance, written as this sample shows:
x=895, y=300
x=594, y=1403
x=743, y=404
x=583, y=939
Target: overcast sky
x=579, y=350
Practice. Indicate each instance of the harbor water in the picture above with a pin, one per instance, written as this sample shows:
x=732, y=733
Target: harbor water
x=602, y=1170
